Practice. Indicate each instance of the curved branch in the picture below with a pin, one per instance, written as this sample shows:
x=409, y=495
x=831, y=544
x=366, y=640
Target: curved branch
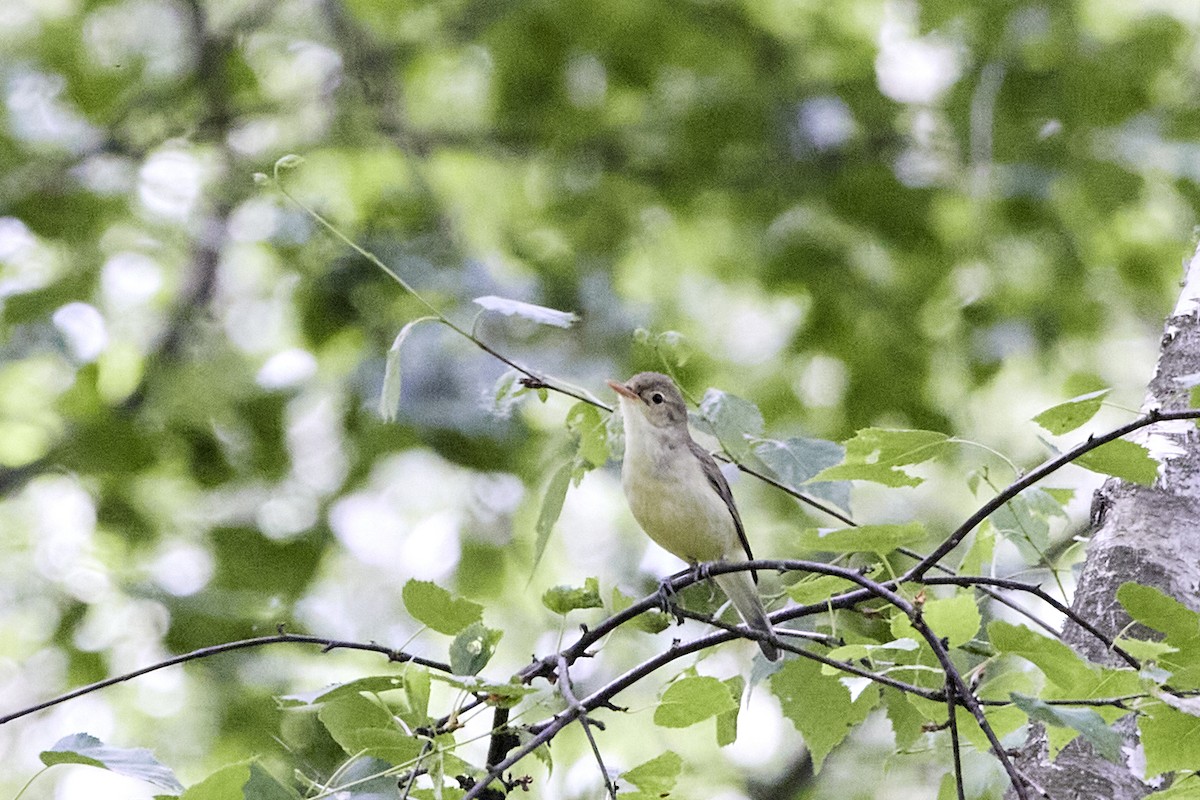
x=242, y=644
x=1035, y=475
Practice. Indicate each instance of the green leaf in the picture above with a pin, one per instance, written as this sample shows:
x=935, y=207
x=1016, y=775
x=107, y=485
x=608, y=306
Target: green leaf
x=473, y=649
x=656, y=776
x=564, y=599
x=881, y=539
x=1170, y=738
x=1184, y=789
x=1057, y=661
x=955, y=619
x=727, y=721
x=228, y=782
x=794, y=461
x=1121, y=459
x=364, y=727
x=432, y=605
x=416, y=692
x=877, y=455
x=505, y=695
x=389, y=398
x=906, y=721
x=552, y=505
x=1105, y=740
x=529, y=311
x=1179, y=624
x=647, y=621
x=691, y=700
x=818, y=588
x=1025, y=521
x=82, y=748
x=262, y=785
x=819, y=705
x=732, y=420
x=585, y=420
x=373, y=684
x=289, y=161
x=1066, y=417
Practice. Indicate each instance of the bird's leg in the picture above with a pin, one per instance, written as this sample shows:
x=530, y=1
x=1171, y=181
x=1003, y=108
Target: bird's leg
x=668, y=598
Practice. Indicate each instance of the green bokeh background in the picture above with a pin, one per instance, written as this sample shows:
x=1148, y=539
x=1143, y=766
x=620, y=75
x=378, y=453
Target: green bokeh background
x=942, y=214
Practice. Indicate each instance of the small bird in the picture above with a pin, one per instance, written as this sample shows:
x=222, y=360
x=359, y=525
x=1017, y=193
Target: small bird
x=678, y=495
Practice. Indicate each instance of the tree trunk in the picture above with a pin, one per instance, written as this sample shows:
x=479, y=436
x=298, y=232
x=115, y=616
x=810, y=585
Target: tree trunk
x=1146, y=534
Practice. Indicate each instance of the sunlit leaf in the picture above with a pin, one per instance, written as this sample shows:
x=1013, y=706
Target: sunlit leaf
x=691, y=700
x=880, y=539
x=1105, y=740
x=879, y=455
x=1068, y=416
x=564, y=599
x=389, y=397
x=657, y=776
x=364, y=727
x=529, y=311
x=819, y=705
x=1122, y=459
x=432, y=605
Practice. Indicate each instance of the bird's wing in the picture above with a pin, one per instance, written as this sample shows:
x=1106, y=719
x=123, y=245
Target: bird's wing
x=716, y=479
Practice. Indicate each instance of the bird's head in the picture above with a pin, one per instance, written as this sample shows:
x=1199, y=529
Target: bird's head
x=653, y=397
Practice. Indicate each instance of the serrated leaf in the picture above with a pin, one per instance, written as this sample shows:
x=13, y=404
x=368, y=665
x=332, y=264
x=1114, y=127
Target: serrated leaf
x=1179, y=624
x=552, y=505
x=1170, y=738
x=794, y=461
x=819, y=706
x=416, y=693
x=906, y=721
x=656, y=776
x=732, y=420
x=691, y=700
x=727, y=721
x=881, y=539
x=878, y=455
x=473, y=649
x=435, y=607
x=1066, y=417
x=1122, y=459
x=529, y=311
x=1105, y=740
x=363, y=727
x=1057, y=661
x=389, y=397
x=1145, y=651
x=586, y=422
x=565, y=599
x=83, y=748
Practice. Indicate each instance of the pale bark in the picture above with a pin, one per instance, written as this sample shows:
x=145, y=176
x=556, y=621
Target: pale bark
x=1146, y=534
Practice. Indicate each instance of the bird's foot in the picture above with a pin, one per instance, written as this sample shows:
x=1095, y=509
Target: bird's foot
x=668, y=598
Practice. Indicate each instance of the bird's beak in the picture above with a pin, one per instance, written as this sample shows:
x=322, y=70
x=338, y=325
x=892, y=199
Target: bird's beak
x=622, y=390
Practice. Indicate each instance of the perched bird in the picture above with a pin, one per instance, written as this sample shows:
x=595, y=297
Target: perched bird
x=678, y=495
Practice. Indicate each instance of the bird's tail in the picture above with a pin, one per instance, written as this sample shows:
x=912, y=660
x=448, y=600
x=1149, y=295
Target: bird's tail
x=740, y=589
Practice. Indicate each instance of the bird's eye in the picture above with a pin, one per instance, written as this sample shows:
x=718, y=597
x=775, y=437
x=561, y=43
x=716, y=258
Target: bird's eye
x=656, y=398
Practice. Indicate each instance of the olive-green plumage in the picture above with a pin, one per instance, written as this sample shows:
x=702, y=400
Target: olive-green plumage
x=677, y=493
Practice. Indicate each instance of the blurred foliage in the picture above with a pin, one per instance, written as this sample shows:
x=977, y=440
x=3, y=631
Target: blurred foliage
x=860, y=213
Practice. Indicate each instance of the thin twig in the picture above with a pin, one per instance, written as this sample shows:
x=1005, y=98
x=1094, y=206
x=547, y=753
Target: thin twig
x=564, y=686
x=955, y=745
x=243, y=644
